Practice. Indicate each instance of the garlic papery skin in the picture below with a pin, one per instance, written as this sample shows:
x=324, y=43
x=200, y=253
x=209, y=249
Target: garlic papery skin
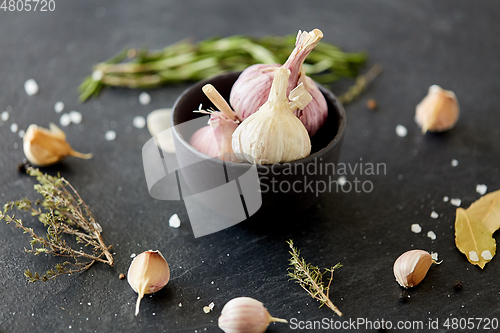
x=148, y=273
x=274, y=134
x=438, y=111
x=44, y=147
x=245, y=315
x=411, y=267
x=251, y=89
x=215, y=140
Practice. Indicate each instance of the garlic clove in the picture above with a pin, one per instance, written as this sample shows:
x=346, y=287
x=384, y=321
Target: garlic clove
x=44, y=147
x=411, y=267
x=245, y=315
x=148, y=273
x=273, y=134
x=159, y=124
x=438, y=111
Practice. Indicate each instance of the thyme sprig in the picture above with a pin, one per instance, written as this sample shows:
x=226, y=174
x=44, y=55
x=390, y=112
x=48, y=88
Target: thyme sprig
x=188, y=61
x=310, y=278
x=62, y=212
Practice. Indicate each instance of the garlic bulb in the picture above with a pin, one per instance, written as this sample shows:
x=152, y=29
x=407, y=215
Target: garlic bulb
x=251, y=90
x=411, y=267
x=44, y=147
x=274, y=134
x=438, y=111
x=245, y=315
x=215, y=139
x=148, y=273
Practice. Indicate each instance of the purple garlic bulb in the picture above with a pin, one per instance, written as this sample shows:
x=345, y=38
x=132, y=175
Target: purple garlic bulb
x=251, y=90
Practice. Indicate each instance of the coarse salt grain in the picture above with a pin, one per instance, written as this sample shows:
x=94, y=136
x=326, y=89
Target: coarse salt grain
x=486, y=255
x=434, y=256
x=434, y=215
x=481, y=189
x=454, y=163
x=76, y=117
x=21, y=133
x=445, y=199
x=431, y=235
x=5, y=116
x=110, y=135
x=144, y=98
x=65, y=119
x=342, y=180
x=473, y=256
x=211, y=305
x=132, y=255
x=139, y=121
x=59, y=107
x=31, y=87
x=174, y=221
x=180, y=304
x=401, y=131
x=456, y=202
x=416, y=228
x=14, y=127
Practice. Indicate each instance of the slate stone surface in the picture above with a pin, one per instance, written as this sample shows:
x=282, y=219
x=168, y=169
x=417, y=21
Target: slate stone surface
x=450, y=43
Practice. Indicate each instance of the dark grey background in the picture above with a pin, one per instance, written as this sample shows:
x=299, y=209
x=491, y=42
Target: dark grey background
x=451, y=43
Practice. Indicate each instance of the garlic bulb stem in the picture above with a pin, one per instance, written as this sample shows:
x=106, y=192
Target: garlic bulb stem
x=220, y=103
x=306, y=42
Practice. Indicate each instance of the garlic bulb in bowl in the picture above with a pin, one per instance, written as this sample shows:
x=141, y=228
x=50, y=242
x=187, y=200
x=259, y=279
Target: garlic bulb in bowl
x=215, y=139
x=251, y=90
x=274, y=134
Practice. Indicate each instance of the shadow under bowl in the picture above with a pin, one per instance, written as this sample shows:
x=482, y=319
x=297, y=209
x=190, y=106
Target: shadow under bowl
x=291, y=187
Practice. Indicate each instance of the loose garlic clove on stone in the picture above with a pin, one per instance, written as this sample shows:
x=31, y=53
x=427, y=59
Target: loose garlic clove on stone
x=245, y=315
x=411, y=267
x=148, y=273
x=438, y=111
x=44, y=147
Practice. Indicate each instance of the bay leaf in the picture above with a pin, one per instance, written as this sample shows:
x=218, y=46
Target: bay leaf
x=473, y=238
x=487, y=210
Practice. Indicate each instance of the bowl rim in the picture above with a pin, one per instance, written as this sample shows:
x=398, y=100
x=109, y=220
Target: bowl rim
x=336, y=141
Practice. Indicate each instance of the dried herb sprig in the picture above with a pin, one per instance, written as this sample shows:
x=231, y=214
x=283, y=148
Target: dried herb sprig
x=62, y=212
x=362, y=82
x=311, y=278
x=187, y=61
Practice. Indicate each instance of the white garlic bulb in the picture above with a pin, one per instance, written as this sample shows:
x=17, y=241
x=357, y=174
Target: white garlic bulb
x=44, y=147
x=245, y=315
x=411, y=267
x=148, y=273
x=215, y=139
x=438, y=111
x=274, y=134
x=251, y=90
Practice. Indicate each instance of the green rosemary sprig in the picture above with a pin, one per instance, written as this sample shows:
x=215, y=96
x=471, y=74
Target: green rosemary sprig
x=62, y=212
x=187, y=61
x=311, y=278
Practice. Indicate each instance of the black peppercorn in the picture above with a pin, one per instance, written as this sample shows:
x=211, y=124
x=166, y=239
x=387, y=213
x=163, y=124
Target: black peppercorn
x=458, y=285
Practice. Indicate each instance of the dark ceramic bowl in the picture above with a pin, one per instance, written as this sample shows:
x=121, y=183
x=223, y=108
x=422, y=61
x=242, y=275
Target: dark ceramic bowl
x=292, y=186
